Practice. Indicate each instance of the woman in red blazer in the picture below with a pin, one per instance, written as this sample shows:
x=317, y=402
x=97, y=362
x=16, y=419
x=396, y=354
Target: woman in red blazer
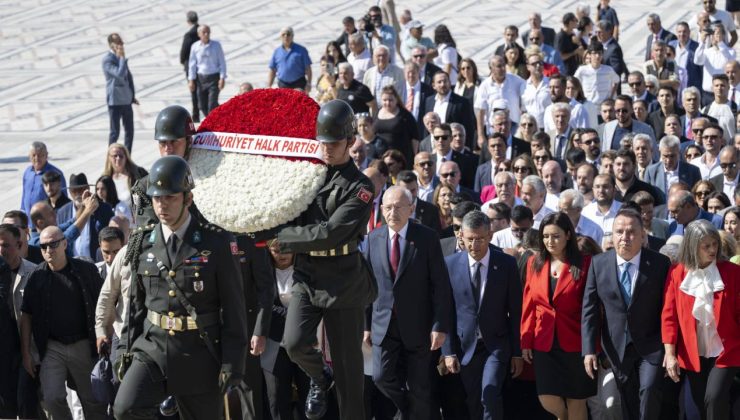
x=701, y=320
x=551, y=319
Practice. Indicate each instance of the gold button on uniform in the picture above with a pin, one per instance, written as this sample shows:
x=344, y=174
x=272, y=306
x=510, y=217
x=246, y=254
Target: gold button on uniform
x=170, y=314
x=172, y=332
x=172, y=293
x=197, y=274
x=172, y=274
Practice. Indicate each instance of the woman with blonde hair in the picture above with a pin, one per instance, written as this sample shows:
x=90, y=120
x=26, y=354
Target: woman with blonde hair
x=527, y=127
x=122, y=170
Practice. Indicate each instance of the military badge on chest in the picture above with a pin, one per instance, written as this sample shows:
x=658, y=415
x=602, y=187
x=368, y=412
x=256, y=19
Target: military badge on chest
x=197, y=262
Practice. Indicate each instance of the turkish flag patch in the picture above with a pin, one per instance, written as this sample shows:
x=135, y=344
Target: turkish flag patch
x=234, y=248
x=364, y=195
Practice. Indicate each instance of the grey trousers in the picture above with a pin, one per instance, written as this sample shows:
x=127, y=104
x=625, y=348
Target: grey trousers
x=72, y=362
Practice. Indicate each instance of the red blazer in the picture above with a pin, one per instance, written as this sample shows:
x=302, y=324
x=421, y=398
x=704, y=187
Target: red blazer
x=679, y=325
x=541, y=320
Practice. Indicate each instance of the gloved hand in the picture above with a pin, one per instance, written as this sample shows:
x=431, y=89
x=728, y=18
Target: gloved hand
x=227, y=379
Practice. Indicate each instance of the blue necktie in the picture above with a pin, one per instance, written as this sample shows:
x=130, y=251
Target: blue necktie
x=626, y=283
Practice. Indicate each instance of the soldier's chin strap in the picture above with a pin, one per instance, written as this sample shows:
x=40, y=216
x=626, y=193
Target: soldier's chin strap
x=182, y=209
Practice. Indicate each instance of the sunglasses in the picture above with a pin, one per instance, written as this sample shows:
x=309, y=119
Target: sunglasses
x=690, y=156
x=448, y=174
x=425, y=164
x=590, y=142
x=702, y=193
x=728, y=165
x=536, y=63
x=52, y=244
x=634, y=84
x=709, y=136
x=540, y=157
x=444, y=137
x=521, y=169
x=419, y=55
x=697, y=130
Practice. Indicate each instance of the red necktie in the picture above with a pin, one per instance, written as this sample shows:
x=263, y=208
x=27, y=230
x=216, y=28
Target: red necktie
x=395, y=254
x=371, y=222
x=410, y=100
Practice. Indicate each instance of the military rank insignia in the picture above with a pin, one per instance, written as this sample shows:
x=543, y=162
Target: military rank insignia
x=364, y=195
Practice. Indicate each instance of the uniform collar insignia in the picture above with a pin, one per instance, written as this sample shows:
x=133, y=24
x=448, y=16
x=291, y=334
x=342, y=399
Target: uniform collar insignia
x=152, y=237
x=196, y=237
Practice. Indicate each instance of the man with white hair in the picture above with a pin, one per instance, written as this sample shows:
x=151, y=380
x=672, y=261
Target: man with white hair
x=33, y=188
x=552, y=175
x=535, y=23
x=571, y=203
x=359, y=56
x=356, y=94
x=505, y=184
x=427, y=69
x=642, y=146
x=383, y=74
x=533, y=195
x=669, y=169
x=561, y=131
x=657, y=32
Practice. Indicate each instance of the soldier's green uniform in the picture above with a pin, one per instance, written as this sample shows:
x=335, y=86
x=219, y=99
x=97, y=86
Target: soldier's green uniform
x=180, y=351
x=332, y=280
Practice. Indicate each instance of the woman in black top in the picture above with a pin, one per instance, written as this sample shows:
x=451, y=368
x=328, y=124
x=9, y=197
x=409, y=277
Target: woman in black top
x=568, y=44
x=396, y=126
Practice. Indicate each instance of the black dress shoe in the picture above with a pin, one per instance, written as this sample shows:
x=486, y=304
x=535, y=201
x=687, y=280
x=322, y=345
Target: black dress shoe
x=316, y=401
x=168, y=407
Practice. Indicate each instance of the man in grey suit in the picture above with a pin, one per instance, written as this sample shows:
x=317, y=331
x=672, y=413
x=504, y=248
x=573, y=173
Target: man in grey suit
x=669, y=170
x=119, y=91
x=657, y=32
x=623, y=124
x=622, y=304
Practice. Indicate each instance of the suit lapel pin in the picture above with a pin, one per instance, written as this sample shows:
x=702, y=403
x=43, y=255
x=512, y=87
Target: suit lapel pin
x=495, y=267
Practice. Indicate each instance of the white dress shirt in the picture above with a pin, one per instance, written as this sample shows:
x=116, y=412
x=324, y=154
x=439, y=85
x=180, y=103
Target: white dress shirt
x=598, y=84
x=401, y=239
x=360, y=63
x=671, y=177
x=483, y=272
x=440, y=106
x=540, y=215
x=447, y=158
x=604, y=220
x=505, y=239
x=511, y=89
x=728, y=187
x=536, y=98
x=707, y=170
x=634, y=270
x=284, y=279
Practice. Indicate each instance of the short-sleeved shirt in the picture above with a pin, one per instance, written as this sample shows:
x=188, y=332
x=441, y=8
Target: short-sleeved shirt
x=66, y=313
x=608, y=14
x=598, y=83
x=511, y=89
x=565, y=45
x=357, y=96
x=290, y=64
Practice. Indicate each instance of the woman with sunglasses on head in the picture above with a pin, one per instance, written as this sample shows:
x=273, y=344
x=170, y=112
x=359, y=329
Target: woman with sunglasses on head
x=540, y=157
x=700, y=327
x=551, y=319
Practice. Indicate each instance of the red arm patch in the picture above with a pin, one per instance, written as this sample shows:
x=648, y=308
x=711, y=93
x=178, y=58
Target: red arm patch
x=365, y=195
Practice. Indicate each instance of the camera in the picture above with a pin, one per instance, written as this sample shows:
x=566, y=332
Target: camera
x=366, y=23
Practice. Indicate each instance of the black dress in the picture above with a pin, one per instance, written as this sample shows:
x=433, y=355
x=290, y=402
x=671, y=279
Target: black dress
x=397, y=133
x=565, y=45
x=561, y=373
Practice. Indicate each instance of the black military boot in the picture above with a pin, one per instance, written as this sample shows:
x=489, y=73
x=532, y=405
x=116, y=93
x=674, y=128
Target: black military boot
x=316, y=401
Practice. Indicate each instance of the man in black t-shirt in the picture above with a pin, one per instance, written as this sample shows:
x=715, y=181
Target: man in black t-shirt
x=356, y=94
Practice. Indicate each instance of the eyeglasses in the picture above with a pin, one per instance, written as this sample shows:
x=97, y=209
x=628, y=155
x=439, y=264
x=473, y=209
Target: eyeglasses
x=521, y=169
x=444, y=137
x=535, y=39
x=697, y=130
x=634, y=84
x=448, y=174
x=374, y=16
x=52, y=244
x=702, y=193
x=476, y=241
x=540, y=157
x=621, y=110
x=425, y=164
x=730, y=165
x=526, y=124
x=536, y=63
x=419, y=55
x=590, y=142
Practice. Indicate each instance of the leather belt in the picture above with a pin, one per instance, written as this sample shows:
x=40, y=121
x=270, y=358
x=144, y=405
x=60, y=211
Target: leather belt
x=173, y=323
x=345, y=249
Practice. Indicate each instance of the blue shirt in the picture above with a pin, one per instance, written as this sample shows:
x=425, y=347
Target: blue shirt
x=716, y=220
x=290, y=64
x=33, y=188
x=206, y=59
x=552, y=56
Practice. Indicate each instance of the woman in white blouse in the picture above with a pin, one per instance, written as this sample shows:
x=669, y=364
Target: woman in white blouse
x=701, y=320
x=446, y=52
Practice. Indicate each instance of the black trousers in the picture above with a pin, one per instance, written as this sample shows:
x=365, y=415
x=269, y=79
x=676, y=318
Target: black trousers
x=207, y=88
x=194, y=97
x=344, y=331
x=640, y=386
x=252, y=379
x=377, y=405
x=296, y=84
x=143, y=389
x=404, y=375
x=116, y=114
x=710, y=389
x=279, y=384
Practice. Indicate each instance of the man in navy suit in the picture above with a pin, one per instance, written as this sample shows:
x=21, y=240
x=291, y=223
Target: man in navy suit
x=411, y=316
x=451, y=107
x=657, y=31
x=670, y=170
x=488, y=302
x=119, y=91
x=685, y=48
x=622, y=303
x=613, y=55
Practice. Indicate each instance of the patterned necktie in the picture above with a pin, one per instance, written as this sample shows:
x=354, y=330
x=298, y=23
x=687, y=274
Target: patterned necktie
x=410, y=100
x=625, y=282
x=689, y=133
x=395, y=254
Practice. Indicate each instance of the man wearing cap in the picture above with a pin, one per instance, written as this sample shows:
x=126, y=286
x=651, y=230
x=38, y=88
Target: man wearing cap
x=185, y=334
x=290, y=63
x=332, y=281
x=415, y=39
x=86, y=245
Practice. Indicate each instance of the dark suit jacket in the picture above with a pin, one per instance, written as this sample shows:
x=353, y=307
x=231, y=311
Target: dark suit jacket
x=418, y=296
x=498, y=316
x=458, y=111
x=429, y=71
x=614, y=57
x=483, y=176
x=656, y=119
x=548, y=36
x=258, y=279
x=718, y=181
x=605, y=312
x=684, y=116
x=97, y=222
x=665, y=35
x=518, y=146
x=428, y=215
x=467, y=167
x=655, y=175
x=449, y=245
x=191, y=36
x=425, y=93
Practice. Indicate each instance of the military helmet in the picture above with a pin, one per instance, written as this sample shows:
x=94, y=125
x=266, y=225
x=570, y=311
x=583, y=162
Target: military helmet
x=173, y=122
x=335, y=122
x=169, y=175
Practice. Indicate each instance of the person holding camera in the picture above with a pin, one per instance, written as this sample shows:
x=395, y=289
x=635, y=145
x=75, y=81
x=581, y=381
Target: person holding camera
x=86, y=245
x=377, y=33
x=712, y=53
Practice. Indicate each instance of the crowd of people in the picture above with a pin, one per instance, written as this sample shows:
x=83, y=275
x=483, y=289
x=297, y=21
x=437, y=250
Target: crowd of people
x=544, y=244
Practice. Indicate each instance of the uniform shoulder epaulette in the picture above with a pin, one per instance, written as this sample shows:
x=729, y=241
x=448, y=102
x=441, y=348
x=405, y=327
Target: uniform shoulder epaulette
x=211, y=227
x=145, y=228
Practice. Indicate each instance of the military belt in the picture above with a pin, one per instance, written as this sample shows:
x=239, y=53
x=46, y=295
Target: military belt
x=345, y=249
x=171, y=322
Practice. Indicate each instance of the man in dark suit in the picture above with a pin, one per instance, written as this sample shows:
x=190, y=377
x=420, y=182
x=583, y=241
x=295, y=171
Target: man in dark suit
x=411, y=316
x=685, y=48
x=425, y=213
x=727, y=181
x=514, y=145
x=417, y=94
x=613, y=55
x=86, y=245
x=119, y=91
x=427, y=69
x=441, y=140
x=622, y=303
x=511, y=33
x=638, y=90
x=451, y=107
x=535, y=22
x=656, y=32
x=655, y=174
x=190, y=38
x=488, y=301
